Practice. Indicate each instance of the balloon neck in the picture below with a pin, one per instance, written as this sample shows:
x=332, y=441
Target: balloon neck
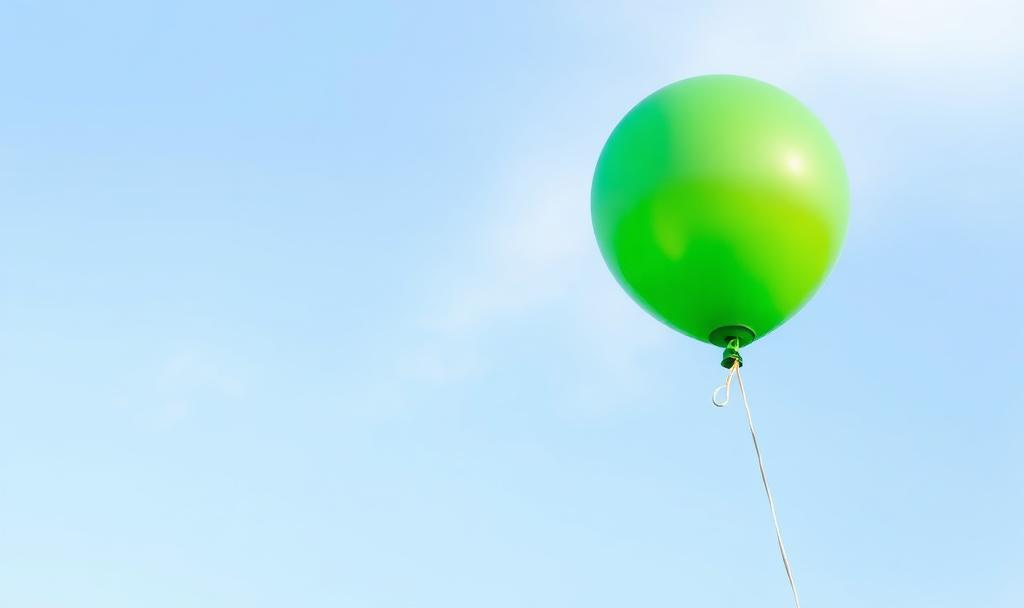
x=732, y=337
x=731, y=356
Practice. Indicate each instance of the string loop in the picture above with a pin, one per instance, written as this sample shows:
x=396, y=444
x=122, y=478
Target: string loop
x=725, y=387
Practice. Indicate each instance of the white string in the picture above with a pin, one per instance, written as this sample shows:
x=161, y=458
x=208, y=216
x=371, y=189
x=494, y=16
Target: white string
x=727, y=386
x=734, y=372
x=764, y=478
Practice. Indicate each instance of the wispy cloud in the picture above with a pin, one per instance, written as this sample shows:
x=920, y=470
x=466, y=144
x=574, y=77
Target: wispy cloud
x=535, y=258
x=801, y=39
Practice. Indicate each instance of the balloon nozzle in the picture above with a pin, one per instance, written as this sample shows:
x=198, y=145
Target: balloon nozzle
x=731, y=356
x=732, y=337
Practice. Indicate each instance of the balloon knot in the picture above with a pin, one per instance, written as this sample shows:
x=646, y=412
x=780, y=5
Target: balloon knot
x=732, y=354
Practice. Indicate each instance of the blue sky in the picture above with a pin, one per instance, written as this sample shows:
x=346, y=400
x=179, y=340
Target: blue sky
x=301, y=306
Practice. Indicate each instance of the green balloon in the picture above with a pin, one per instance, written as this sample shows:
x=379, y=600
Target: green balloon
x=720, y=203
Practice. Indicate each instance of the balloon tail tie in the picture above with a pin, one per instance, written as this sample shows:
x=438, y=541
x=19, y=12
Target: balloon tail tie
x=734, y=370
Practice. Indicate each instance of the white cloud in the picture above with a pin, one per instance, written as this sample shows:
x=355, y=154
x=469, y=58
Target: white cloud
x=962, y=45
x=526, y=256
x=535, y=259
x=524, y=260
x=924, y=32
